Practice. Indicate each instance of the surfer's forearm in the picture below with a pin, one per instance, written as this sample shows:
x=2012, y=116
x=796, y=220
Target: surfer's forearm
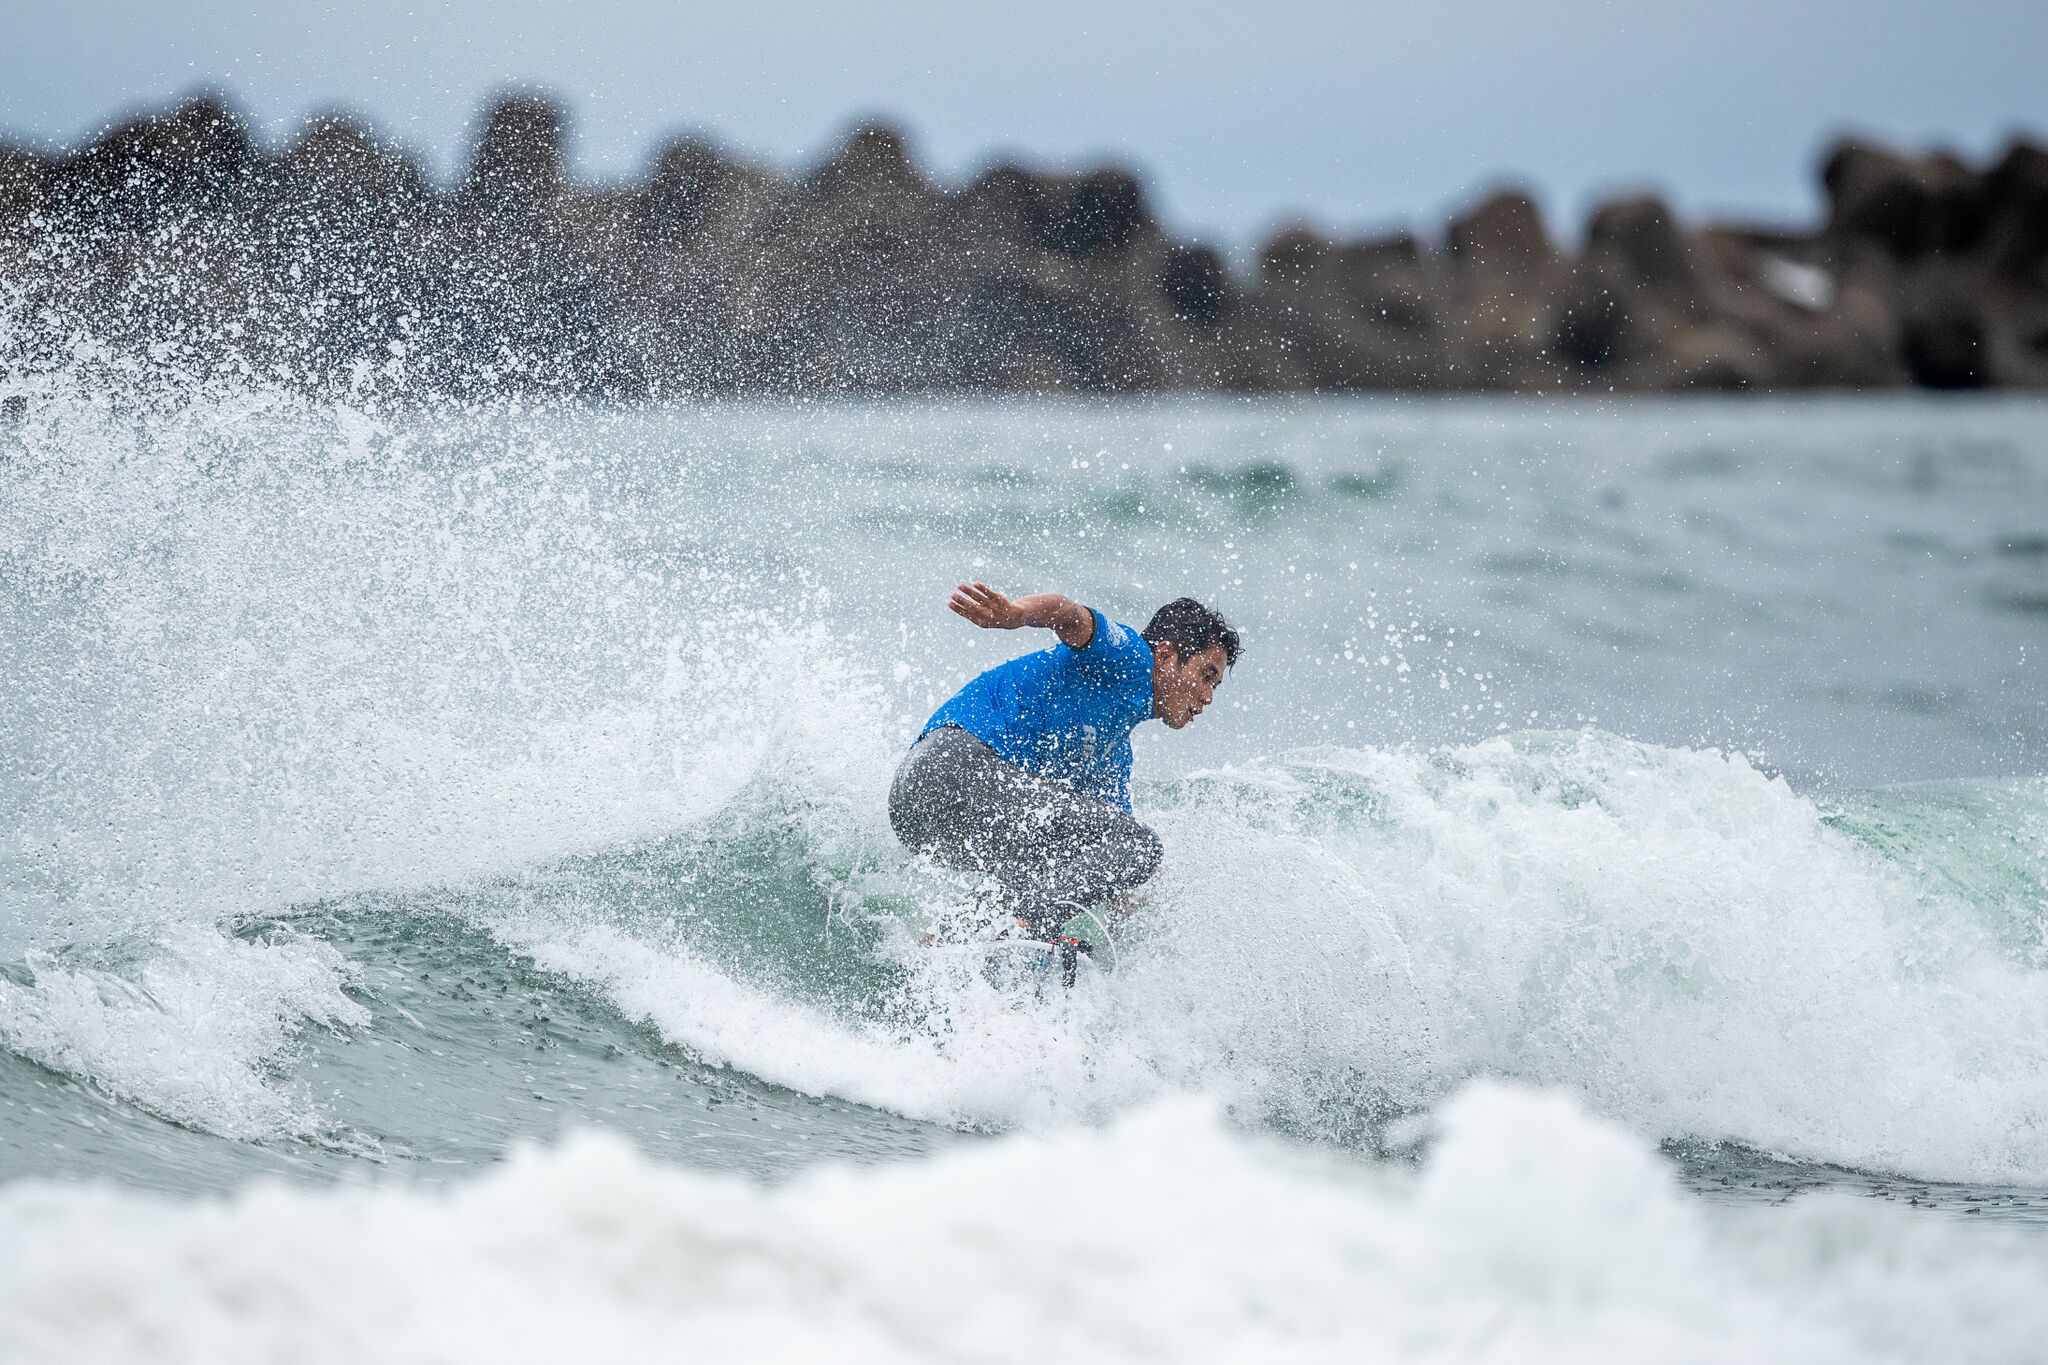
x=1063, y=616
x=992, y=610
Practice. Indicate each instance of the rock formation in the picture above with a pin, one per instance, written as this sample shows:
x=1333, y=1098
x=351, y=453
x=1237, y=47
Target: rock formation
x=335, y=264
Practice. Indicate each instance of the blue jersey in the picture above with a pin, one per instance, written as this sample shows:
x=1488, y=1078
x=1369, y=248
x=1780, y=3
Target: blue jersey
x=1064, y=713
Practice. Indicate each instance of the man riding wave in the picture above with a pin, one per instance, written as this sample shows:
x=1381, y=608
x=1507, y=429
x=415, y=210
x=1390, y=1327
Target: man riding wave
x=1023, y=778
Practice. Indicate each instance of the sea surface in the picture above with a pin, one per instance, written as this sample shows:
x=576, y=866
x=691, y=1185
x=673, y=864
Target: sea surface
x=447, y=909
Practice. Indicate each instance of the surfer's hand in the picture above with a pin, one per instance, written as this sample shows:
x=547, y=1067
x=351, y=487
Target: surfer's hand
x=986, y=607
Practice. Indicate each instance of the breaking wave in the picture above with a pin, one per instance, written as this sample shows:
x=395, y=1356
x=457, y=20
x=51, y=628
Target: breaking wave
x=619, y=693
x=1343, y=934
x=1532, y=1231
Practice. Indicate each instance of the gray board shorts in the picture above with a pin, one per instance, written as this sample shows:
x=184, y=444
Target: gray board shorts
x=1044, y=851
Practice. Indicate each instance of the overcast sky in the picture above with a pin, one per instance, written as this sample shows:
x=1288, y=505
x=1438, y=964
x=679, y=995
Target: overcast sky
x=1240, y=116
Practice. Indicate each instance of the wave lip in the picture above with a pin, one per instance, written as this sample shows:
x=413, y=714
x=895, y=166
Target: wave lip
x=194, y=1027
x=1532, y=1232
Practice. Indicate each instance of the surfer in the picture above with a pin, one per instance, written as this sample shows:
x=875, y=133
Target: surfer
x=1024, y=777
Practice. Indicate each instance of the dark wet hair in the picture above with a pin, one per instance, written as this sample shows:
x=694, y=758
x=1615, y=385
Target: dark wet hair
x=1190, y=628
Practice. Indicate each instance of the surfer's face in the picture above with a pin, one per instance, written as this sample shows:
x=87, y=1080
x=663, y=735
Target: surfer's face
x=1183, y=688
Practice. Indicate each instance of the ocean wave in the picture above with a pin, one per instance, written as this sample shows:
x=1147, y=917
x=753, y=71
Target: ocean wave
x=1698, y=948
x=1532, y=1232
x=625, y=690
x=1342, y=935
x=190, y=1025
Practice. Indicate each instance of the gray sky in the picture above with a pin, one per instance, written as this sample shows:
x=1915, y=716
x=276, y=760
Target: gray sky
x=1239, y=116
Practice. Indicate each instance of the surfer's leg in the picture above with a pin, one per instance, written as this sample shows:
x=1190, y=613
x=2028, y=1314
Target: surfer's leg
x=954, y=800
x=1055, y=851
x=1046, y=850
x=919, y=795
x=1090, y=853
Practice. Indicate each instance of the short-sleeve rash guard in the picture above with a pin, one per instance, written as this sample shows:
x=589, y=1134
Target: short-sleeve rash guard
x=1064, y=713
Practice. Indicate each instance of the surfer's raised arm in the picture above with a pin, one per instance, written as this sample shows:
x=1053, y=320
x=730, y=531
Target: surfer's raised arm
x=991, y=610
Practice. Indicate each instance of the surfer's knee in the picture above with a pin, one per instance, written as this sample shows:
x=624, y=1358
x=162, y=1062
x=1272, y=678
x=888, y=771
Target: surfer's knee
x=1146, y=853
x=911, y=801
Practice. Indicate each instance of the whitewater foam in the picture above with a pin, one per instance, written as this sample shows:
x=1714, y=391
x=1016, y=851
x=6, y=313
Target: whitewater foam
x=1346, y=934
x=1672, y=932
x=193, y=1026
x=1533, y=1232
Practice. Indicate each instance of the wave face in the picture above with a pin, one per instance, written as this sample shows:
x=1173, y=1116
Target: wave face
x=1532, y=1232
x=389, y=786
x=1344, y=934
